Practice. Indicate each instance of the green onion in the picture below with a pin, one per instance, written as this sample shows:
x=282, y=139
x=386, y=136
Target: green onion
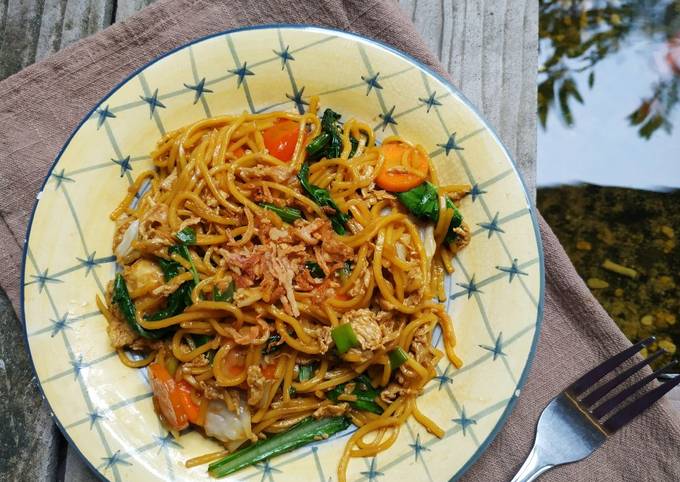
x=226, y=295
x=344, y=337
x=287, y=215
x=397, y=357
x=186, y=236
x=121, y=297
x=364, y=392
x=323, y=198
x=314, y=269
x=307, y=431
x=305, y=372
x=355, y=146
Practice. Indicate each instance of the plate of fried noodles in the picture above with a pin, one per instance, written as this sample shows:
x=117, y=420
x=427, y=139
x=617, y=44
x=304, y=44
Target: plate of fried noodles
x=282, y=252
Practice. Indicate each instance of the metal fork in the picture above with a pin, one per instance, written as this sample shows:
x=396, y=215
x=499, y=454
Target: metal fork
x=575, y=423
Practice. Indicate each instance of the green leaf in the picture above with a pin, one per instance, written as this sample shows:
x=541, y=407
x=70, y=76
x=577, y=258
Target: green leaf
x=422, y=201
x=328, y=143
x=287, y=214
x=363, y=391
x=186, y=236
x=121, y=297
x=226, y=295
x=323, y=198
x=314, y=269
x=305, y=372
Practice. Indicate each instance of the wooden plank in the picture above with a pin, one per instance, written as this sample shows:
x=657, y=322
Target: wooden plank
x=31, y=444
x=33, y=29
x=489, y=49
x=127, y=8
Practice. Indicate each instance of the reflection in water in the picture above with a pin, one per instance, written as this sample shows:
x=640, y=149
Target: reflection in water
x=577, y=35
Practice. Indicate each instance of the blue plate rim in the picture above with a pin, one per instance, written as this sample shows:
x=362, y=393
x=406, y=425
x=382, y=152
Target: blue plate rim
x=323, y=29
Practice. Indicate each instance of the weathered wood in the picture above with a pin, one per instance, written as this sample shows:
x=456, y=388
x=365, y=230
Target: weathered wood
x=30, y=444
x=127, y=8
x=489, y=48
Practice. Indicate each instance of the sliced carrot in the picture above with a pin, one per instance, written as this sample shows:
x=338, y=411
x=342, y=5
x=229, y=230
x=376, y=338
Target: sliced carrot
x=405, y=167
x=182, y=396
x=281, y=138
x=173, y=397
x=238, y=152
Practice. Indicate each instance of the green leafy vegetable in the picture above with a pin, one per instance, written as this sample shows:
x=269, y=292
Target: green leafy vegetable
x=397, y=357
x=121, y=297
x=287, y=214
x=305, y=372
x=314, y=269
x=307, y=431
x=186, y=236
x=183, y=251
x=272, y=345
x=422, y=201
x=328, y=143
x=169, y=267
x=344, y=337
x=363, y=391
x=201, y=339
x=226, y=295
x=355, y=146
x=181, y=297
x=323, y=198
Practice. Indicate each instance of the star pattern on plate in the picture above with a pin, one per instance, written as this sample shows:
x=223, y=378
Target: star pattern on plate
x=199, y=89
x=285, y=56
x=41, y=279
x=450, y=144
x=513, y=270
x=430, y=101
x=124, y=165
x=497, y=348
x=103, y=114
x=372, y=473
x=59, y=325
x=464, y=421
x=476, y=191
x=114, y=460
x=241, y=72
x=492, y=226
x=418, y=447
x=60, y=177
x=469, y=287
x=388, y=118
x=153, y=102
x=444, y=378
x=300, y=103
x=372, y=82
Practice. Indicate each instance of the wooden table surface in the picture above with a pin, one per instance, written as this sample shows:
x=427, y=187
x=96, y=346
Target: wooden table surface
x=488, y=46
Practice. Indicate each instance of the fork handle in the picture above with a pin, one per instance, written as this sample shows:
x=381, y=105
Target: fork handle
x=531, y=468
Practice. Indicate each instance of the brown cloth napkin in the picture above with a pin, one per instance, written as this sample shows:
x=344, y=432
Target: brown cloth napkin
x=40, y=106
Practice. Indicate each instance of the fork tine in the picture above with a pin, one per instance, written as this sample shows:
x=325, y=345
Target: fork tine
x=600, y=392
x=613, y=402
x=589, y=379
x=635, y=408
